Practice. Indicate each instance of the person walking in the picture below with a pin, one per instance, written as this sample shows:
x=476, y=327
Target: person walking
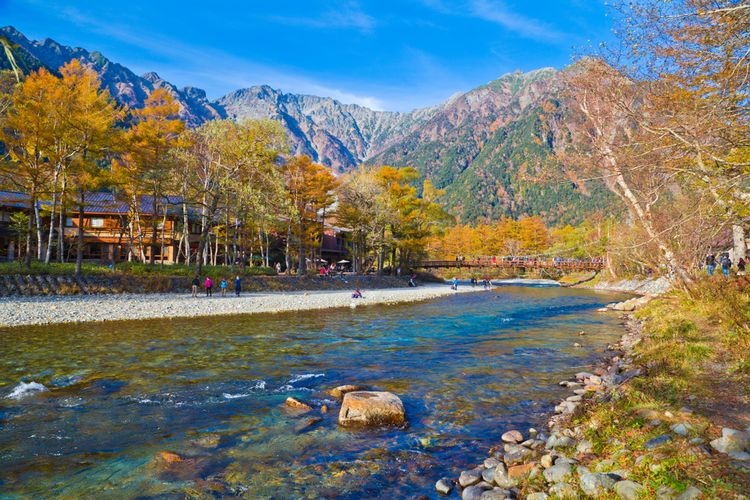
x=208, y=284
x=196, y=284
x=223, y=286
x=278, y=268
x=237, y=285
x=726, y=265
x=710, y=264
x=741, y=267
x=455, y=283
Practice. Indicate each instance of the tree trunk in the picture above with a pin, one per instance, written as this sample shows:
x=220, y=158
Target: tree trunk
x=268, y=247
x=205, y=226
x=163, y=228
x=740, y=243
x=61, y=226
x=154, y=230
x=29, y=229
x=39, y=238
x=302, y=267
x=186, y=232
x=288, y=249
x=51, y=235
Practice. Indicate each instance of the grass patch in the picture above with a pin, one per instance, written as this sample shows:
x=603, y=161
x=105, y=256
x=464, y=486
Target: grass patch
x=130, y=269
x=694, y=354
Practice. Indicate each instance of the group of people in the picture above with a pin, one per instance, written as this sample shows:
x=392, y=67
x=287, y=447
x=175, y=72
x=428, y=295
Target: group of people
x=208, y=286
x=524, y=259
x=485, y=282
x=725, y=263
x=329, y=271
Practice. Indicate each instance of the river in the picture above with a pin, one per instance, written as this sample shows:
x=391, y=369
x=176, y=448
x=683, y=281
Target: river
x=211, y=390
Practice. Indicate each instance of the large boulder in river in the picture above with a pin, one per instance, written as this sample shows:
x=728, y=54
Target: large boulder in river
x=371, y=409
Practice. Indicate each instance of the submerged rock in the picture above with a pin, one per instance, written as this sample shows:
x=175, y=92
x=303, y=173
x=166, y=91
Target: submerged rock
x=307, y=424
x=167, y=457
x=297, y=404
x=371, y=409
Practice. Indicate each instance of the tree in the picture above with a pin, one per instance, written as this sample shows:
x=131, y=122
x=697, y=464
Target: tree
x=88, y=144
x=81, y=127
x=25, y=133
x=310, y=189
x=147, y=167
x=383, y=207
x=234, y=164
x=665, y=123
x=8, y=48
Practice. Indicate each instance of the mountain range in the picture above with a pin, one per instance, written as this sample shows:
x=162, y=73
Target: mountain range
x=490, y=149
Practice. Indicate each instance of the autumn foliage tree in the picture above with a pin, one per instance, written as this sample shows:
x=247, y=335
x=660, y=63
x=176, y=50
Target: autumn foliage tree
x=147, y=165
x=664, y=123
x=310, y=187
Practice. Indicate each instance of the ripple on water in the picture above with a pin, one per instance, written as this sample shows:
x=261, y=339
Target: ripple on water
x=466, y=366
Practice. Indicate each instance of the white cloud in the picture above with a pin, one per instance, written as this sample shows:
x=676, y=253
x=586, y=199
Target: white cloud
x=348, y=15
x=498, y=13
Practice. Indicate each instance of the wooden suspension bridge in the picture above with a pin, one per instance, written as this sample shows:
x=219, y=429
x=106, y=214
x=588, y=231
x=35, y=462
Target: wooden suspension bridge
x=519, y=263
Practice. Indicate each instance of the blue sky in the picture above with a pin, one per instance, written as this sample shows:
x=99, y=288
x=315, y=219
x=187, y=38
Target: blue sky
x=385, y=54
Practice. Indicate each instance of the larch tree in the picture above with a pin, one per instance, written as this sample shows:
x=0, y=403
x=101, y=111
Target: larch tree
x=26, y=134
x=148, y=164
x=310, y=189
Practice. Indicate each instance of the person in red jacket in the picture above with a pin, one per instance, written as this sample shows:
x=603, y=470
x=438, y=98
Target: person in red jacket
x=208, y=284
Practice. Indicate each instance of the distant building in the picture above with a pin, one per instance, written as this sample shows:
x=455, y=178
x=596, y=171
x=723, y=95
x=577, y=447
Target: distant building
x=107, y=227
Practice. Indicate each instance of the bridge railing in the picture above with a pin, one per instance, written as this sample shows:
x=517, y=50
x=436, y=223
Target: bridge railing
x=518, y=263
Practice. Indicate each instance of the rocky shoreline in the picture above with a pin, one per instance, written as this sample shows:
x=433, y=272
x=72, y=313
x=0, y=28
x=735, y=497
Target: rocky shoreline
x=648, y=286
x=25, y=311
x=537, y=465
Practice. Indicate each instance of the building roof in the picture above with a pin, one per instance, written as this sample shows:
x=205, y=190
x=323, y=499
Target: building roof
x=14, y=199
x=100, y=202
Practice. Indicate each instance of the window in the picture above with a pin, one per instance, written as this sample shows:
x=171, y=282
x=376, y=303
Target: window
x=98, y=222
x=68, y=221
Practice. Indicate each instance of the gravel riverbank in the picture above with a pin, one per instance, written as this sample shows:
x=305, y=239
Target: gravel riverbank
x=75, y=309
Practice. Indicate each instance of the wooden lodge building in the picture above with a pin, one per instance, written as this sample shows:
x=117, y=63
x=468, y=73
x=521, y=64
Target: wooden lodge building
x=106, y=233
x=106, y=220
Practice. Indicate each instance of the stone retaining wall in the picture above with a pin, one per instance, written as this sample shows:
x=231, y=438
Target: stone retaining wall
x=14, y=285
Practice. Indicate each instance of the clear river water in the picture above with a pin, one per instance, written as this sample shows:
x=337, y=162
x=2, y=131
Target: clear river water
x=211, y=390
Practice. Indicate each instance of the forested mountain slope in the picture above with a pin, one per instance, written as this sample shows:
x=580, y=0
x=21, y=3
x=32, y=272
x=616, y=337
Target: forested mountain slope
x=490, y=149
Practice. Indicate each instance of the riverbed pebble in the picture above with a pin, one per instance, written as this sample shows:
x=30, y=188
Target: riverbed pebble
x=444, y=486
x=512, y=436
x=17, y=311
x=470, y=477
